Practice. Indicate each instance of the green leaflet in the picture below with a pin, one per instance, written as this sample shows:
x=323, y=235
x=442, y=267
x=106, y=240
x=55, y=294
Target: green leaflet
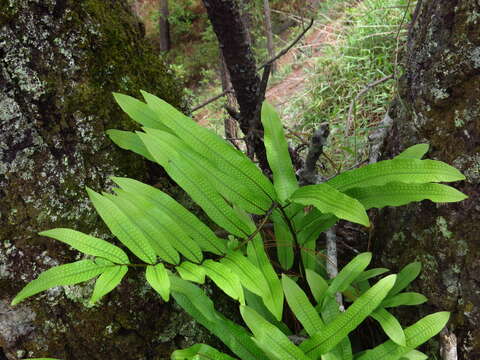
x=318, y=285
x=272, y=295
x=405, y=277
x=200, y=307
x=413, y=152
x=67, y=274
x=129, y=141
x=284, y=179
x=88, y=244
x=313, y=224
x=229, y=187
x=368, y=274
x=406, y=298
x=226, y=158
x=191, y=272
x=412, y=171
x=159, y=280
x=397, y=194
x=414, y=355
x=390, y=325
x=196, y=229
x=415, y=335
x=301, y=307
x=199, y=351
x=328, y=200
x=122, y=227
x=274, y=342
x=308, y=252
x=250, y=276
x=107, y=281
x=139, y=111
x=225, y=279
x=163, y=234
x=343, y=324
x=186, y=174
x=284, y=241
x=349, y=273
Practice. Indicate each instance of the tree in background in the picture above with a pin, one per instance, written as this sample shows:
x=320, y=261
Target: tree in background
x=57, y=72
x=438, y=103
x=164, y=26
x=268, y=32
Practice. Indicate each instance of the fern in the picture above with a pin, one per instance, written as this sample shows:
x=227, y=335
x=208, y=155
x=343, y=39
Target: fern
x=172, y=243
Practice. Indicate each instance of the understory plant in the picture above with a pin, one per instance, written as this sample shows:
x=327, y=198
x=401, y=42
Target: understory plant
x=179, y=251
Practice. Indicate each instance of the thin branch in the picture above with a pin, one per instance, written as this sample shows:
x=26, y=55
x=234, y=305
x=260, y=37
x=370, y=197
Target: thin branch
x=308, y=174
x=366, y=89
x=332, y=263
x=268, y=62
x=259, y=227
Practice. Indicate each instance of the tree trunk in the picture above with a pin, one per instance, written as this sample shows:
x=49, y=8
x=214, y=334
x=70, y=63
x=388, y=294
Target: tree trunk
x=229, y=123
x=236, y=48
x=59, y=62
x=268, y=32
x=438, y=103
x=164, y=26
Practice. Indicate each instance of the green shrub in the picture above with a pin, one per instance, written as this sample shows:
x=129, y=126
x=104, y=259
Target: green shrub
x=170, y=242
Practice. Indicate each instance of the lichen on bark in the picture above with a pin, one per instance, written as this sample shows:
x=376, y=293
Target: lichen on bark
x=59, y=62
x=438, y=103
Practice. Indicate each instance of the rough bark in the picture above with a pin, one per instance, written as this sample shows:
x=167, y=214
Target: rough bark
x=236, y=48
x=164, y=26
x=229, y=122
x=439, y=103
x=59, y=62
x=268, y=32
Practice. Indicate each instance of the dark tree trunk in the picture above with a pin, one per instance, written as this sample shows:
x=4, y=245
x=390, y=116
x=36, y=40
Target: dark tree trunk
x=59, y=62
x=438, y=103
x=229, y=123
x=236, y=48
x=164, y=26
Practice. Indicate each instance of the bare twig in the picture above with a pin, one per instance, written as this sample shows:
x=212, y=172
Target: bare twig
x=351, y=109
x=332, y=263
x=259, y=227
x=268, y=62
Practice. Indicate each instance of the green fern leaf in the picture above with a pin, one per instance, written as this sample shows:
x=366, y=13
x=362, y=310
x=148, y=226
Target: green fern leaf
x=157, y=277
x=191, y=272
x=414, y=355
x=301, y=307
x=122, y=227
x=67, y=274
x=163, y=234
x=225, y=157
x=139, y=111
x=415, y=335
x=328, y=200
x=200, y=307
x=284, y=179
x=272, y=295
x=405, y=277
x=412, y=171
x=185, y=173
x=199, y=352
x=349, y=273
x=283, y=240
x=397, y=194
x=108, y=281
x=313, y=224
x=129, y=141
x=195, y=228
x=270, y=339
x=250, y=276
x=225, y=279
x=318, y=285
x=390, y=325
x=342, y=325
x=88, y=244
x=414, y=152
x=368, y=274
x=231, y=189
x=404, y=299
